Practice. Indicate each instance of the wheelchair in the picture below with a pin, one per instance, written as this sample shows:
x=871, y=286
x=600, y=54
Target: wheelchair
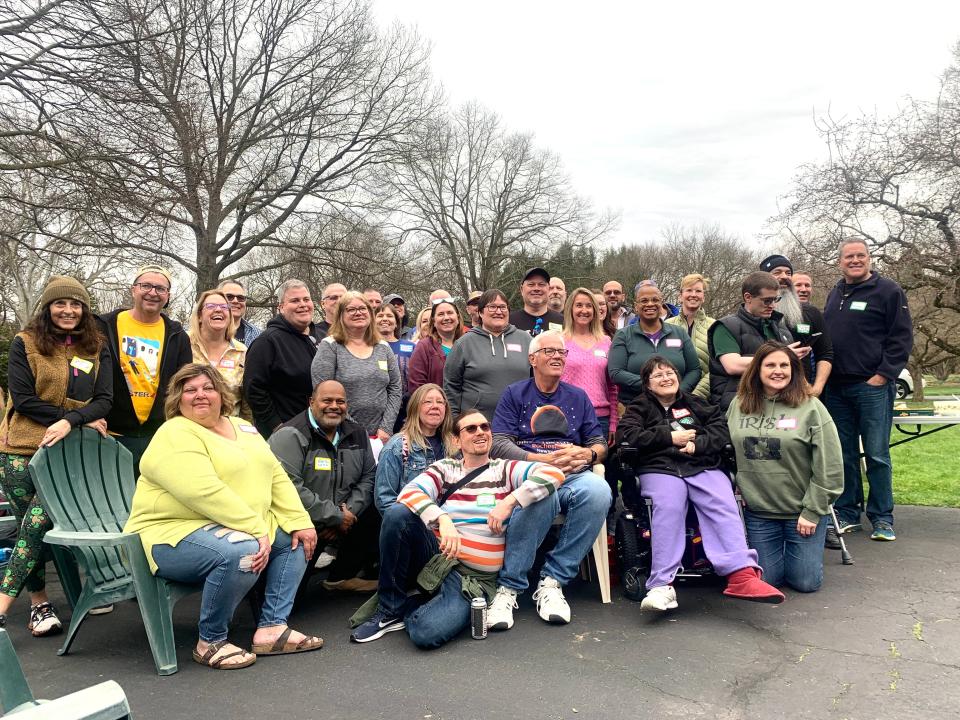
x=632, y=534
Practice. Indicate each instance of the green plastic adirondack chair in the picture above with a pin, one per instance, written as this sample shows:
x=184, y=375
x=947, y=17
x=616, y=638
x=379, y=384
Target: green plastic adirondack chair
x=105, y=701
x=86, y=485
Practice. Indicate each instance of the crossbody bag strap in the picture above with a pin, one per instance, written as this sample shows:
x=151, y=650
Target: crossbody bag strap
x=469, y=477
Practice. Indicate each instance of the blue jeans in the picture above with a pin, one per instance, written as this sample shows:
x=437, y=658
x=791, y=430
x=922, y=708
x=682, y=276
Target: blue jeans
x=784, y=554
x=584, y=499
x=406, y=544
x=864, y=411
x=204, y=557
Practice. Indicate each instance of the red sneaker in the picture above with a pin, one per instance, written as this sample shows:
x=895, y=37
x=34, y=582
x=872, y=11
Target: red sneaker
x=746, y=584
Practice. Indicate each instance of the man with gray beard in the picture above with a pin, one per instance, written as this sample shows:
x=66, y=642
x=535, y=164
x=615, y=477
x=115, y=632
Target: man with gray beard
x=805, y=322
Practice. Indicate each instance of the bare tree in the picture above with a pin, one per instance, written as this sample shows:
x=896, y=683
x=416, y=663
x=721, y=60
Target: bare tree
x=210, y=123
x=706, y=249
x=894, y=181
x=478, y=196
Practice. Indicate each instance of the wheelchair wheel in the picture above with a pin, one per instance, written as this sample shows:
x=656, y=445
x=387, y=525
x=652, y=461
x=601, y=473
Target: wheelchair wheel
x=634, y=563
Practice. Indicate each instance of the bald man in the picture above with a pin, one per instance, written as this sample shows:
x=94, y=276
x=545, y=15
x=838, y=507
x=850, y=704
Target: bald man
x=329, y=460
x=556, y=294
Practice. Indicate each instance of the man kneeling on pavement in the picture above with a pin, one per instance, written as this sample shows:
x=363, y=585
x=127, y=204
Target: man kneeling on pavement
x=551, y=421
x=442, y=542
x=329, y=460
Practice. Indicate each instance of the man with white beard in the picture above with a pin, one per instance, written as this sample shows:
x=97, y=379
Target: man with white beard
x=805, y=322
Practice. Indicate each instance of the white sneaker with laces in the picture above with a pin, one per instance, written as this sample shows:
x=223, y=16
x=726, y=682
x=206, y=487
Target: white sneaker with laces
x=551, y=604
x=500, y=613
x=324, y=559
x=660, y=598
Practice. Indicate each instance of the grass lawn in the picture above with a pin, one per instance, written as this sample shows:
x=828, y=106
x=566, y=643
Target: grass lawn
x=926, y=471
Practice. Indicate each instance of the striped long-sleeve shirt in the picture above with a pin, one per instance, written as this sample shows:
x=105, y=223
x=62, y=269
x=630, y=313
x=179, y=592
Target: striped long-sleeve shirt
x=469, y=506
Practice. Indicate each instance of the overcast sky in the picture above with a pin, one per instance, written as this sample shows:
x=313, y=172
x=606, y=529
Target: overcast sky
x=682, y=112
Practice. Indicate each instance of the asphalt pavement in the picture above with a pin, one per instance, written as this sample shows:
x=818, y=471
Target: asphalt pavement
x=880, y=640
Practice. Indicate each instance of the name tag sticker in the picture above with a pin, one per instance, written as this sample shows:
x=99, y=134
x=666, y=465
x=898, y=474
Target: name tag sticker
x=382, y=364
x=803, y=328
x=228, y=364
x=514, y=347
x=84, y=366
x=600, y=353
x=680, y=413
x=248, y=429
x=486, y=500
x=322, y=463
x=406, y=348
x=787, y=424
x=858, y=305
x=554, y=326
x=674, y=342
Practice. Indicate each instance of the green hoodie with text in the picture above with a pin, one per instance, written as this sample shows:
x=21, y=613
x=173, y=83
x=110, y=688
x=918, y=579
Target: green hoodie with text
x=789, y=462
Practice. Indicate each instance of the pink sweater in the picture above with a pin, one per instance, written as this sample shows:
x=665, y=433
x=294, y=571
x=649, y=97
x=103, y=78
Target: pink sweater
x=587, y=369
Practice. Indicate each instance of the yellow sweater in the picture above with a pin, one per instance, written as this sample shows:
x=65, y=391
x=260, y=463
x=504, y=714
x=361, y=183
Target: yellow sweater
x=190, y=476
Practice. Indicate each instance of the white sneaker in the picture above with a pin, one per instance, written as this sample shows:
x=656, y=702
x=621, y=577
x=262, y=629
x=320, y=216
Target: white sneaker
x=660, y=598
x=324, y=559
x=500, y=613
x=551, y=604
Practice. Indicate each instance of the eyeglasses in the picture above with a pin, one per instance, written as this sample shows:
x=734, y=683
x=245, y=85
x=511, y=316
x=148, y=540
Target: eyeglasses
x=550, y=352
x=442, y=300
x=769, y=301
x=664, y=375
x=150, y=287
x=235, y=298
x=497, y=308
x=216, y=306
x=471, y=429
x=362, y=310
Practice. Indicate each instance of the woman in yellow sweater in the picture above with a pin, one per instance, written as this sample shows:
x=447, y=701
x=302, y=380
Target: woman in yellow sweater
x=213, y=505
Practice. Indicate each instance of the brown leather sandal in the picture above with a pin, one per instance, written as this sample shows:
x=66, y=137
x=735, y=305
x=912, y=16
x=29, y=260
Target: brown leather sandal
x=282, y=646
x=207, y=658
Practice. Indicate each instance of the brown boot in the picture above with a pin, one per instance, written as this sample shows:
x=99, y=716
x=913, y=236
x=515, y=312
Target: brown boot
x=746, y=584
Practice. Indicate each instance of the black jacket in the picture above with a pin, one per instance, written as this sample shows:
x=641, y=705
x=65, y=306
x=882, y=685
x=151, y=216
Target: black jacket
x=871, y=329
x=646, y=426
x=276, y=377
x=174, y=354
x=326, y=476
x=747, y=329
x=813, y=332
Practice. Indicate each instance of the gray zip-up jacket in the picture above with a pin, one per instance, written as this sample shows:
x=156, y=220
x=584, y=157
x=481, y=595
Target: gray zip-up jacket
x=481, y=365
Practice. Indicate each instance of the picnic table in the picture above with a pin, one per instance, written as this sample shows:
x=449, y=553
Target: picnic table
x=917, y=426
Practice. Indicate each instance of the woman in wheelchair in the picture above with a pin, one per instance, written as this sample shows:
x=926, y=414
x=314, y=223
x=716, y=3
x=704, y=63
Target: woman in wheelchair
x=679, y=439
x=789, y=466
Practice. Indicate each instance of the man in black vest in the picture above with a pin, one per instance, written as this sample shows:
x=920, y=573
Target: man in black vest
x=732, y=340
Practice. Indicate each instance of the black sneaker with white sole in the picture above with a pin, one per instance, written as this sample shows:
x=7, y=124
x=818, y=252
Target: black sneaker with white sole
x=376, y=627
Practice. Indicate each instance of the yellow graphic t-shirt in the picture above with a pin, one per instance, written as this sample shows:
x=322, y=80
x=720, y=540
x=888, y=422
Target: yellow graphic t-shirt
x=141, y=345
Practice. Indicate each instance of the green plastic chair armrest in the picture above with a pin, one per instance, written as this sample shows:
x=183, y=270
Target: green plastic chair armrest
x=72, y=538
x=105, y=701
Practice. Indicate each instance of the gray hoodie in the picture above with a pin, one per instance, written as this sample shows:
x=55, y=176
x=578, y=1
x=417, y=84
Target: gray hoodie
x=481, y=365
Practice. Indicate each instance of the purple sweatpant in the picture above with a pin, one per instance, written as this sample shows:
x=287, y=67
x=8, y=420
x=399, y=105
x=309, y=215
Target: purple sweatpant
x=721, y=527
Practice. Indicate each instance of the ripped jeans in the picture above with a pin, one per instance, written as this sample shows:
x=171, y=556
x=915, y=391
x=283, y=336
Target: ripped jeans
x=219, y=558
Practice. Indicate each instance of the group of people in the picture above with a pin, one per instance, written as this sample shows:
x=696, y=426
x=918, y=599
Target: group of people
x=428, y=461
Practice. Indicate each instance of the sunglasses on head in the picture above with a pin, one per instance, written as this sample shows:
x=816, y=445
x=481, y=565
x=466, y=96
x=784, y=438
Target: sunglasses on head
x=442, y=300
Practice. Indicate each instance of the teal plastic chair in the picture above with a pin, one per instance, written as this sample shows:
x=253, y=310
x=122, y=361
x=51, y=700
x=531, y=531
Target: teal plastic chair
x=105, y=701
x=86, y=485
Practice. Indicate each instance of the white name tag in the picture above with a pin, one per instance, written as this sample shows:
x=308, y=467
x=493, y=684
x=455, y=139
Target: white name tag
x=680, y=412
x=600, y=353
x=322, y=463
x=406, y=348
x=674, y=342
x=787, y=424
x=382, y=364
x=554, y=326
x=858, y=305
x=514, y=347
x=84, y=366
x=248, y=429
x=486, y=500
x=228, y=364
x=803, y=328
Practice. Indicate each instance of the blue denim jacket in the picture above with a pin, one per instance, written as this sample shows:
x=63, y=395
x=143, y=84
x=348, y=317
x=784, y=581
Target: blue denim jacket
x=394, y=470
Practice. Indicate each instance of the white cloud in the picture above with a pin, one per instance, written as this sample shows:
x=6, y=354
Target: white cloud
x=682, y=112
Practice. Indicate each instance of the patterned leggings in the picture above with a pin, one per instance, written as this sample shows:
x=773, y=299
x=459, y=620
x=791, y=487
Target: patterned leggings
x=26, y=566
